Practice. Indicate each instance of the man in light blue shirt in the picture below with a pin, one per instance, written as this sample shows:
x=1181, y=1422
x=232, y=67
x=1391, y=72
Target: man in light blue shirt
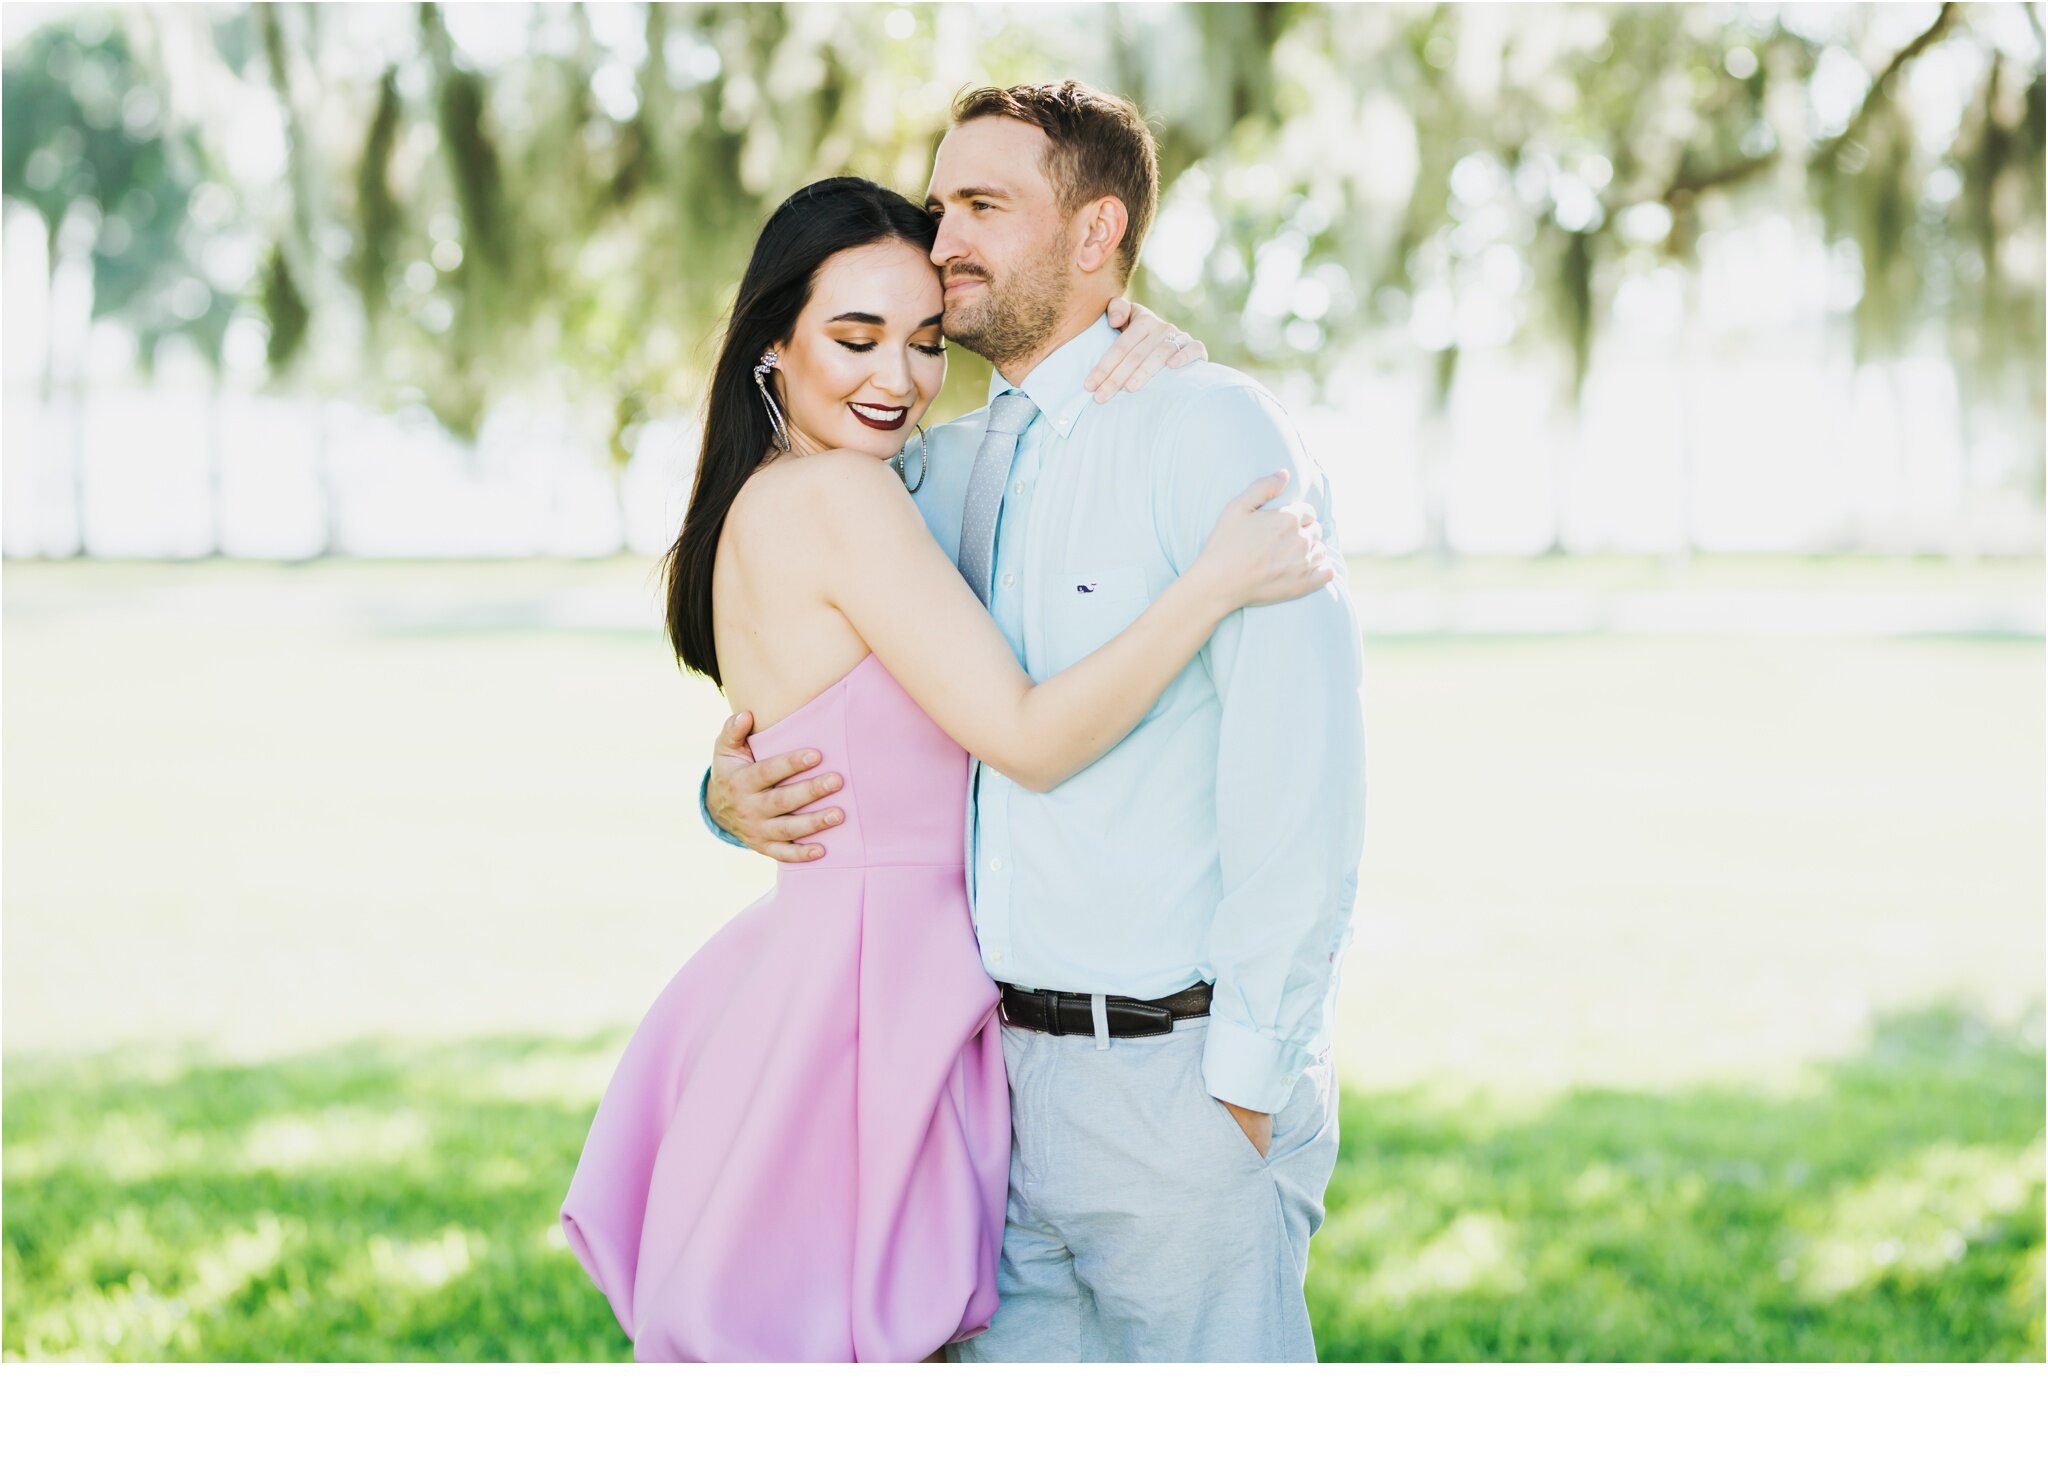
x=1168, y=925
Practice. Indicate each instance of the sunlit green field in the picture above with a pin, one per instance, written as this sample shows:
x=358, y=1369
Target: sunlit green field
x=1694, y=1010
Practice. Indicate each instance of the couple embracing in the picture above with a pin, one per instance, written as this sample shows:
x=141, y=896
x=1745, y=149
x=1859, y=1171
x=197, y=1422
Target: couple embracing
x=1027, y=1054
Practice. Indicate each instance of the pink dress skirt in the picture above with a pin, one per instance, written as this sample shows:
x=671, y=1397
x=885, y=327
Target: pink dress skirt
x=804, y=1152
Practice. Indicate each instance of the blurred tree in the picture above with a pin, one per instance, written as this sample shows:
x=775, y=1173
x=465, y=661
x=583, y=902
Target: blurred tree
x=484, y=205
x=89, y=143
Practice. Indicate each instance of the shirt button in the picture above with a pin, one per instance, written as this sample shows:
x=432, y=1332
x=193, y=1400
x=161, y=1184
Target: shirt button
x=996, y=864
x=1008, y=581
x=995, y=956
x=1022, y=486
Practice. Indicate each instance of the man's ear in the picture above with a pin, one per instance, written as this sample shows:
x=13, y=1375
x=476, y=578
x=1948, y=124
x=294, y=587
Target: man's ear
x=1099, y=228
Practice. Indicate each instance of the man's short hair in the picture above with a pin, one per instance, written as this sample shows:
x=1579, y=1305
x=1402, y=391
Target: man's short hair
x=1096, y=145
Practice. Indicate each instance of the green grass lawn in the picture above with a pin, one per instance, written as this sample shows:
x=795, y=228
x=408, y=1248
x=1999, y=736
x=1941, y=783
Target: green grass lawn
x=385, y=1200
x=1891, y=1210
x=1694, y=1010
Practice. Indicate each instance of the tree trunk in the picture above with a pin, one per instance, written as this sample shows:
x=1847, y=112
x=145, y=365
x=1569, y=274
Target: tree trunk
x=216, y=493
x=1901, y=546
x=1568, y=442
x=1962, y=547
x=1688, y=424
x=323, y=482
x=74, y=423
x=1436, y=460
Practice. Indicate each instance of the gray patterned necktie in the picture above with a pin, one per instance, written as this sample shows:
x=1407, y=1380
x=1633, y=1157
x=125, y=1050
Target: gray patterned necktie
x=1008, y=416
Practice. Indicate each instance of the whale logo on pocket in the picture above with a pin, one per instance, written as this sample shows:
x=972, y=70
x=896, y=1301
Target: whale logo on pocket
x=1088, y=589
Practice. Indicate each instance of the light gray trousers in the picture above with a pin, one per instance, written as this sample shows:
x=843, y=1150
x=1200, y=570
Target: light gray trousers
x=1142, y=1224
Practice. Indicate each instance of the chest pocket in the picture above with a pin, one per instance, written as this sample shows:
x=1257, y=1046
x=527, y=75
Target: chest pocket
x=1088, y=607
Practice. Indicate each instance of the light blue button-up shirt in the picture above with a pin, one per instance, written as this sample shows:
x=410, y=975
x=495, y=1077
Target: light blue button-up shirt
x=1220, y=840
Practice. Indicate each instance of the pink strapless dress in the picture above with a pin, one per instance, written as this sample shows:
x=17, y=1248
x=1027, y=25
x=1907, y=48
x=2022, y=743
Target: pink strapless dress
x=804, y=1152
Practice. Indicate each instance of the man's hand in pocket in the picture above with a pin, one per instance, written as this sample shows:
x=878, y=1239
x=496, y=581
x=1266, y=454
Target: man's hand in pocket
x=1257, y=1127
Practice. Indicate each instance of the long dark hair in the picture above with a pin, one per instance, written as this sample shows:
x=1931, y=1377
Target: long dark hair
x=806, y=229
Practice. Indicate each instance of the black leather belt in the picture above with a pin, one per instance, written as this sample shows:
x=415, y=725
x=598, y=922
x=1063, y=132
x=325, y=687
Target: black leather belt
x=1070, y=1014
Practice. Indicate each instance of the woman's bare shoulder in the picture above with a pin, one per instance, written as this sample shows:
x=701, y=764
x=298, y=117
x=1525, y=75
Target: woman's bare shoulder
x=817, y=497
x=803, y=481
x=824, y=488
x=835, y=468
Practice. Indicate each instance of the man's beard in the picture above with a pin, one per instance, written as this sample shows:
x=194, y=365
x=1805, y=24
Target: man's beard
x=1013, y=317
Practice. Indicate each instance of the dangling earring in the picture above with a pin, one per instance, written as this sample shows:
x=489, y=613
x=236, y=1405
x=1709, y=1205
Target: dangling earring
x=778, y=428
x=924, y=461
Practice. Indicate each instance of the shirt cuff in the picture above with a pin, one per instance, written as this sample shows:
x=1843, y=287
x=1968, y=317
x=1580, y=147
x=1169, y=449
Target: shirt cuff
x=704, y=808
x=1250, y=1069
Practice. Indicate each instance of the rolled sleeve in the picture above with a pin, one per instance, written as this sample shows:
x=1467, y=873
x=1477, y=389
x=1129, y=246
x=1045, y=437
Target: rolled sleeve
x=1290, y=775
x=1252, y=1069
x=704, y=809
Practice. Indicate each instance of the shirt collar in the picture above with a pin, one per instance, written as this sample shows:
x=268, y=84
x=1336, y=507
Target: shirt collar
x=1054, y=385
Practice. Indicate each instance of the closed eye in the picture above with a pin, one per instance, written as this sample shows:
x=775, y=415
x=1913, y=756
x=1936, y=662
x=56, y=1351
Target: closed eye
x=861, y=346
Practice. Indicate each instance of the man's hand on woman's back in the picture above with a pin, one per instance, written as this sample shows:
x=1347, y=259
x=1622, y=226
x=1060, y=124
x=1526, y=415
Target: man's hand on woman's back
x=765, y=805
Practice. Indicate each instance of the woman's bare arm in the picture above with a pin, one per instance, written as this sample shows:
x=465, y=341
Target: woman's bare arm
x=906, y=600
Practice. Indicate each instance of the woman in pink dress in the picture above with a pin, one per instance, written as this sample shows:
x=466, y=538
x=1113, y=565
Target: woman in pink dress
x=804, y=1152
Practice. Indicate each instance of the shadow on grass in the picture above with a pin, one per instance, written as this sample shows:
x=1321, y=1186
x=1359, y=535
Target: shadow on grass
x=1890, y=1210
x=397, y=1201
